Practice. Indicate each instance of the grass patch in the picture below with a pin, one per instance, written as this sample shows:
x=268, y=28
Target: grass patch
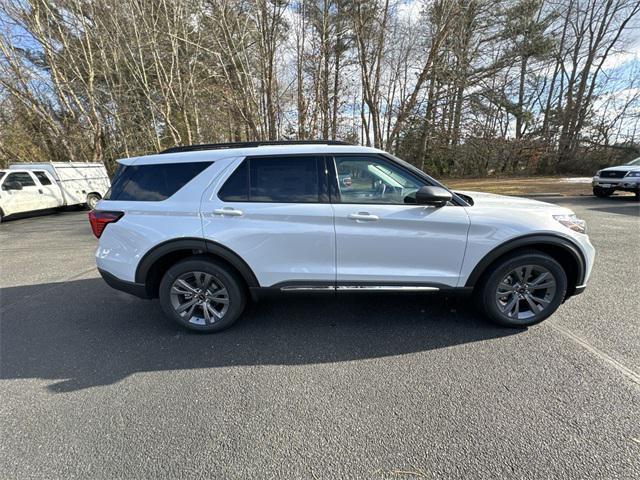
x=521, y=185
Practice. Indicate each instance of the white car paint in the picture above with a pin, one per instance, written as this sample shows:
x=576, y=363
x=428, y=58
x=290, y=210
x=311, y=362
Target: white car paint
x=319, y=242
x=56, y=185
x=496, y=219
x=34, y=196
x=75, y=180
x=404, y=243
x=284, y=241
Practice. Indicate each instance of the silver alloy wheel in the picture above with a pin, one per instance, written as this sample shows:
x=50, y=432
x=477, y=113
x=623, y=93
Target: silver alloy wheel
x=199, y=298
x=525, y=292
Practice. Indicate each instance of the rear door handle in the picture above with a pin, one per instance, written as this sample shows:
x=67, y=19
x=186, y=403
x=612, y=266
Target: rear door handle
x=363, y=217
x=232, y=212
x=40, y=190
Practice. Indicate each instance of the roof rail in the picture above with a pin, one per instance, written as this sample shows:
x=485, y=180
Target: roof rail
x=219, y=146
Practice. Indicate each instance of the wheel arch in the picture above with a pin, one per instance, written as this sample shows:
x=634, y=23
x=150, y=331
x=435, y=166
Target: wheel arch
x=561, y=248
x=157, y=260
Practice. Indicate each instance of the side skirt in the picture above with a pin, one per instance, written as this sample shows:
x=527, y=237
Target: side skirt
x=314, y=288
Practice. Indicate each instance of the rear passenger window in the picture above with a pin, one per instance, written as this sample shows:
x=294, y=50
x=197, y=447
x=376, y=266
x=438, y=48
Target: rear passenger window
x=152, y=183
x=274, y=179
x=42, y=178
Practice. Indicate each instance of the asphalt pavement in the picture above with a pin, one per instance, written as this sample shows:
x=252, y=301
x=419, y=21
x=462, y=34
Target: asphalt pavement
x=98, y=384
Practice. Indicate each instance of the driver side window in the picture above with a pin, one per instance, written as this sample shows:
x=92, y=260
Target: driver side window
x=368, y=179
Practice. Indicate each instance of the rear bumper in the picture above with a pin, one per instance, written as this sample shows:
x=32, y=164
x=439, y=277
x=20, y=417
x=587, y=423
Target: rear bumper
x=132, y=288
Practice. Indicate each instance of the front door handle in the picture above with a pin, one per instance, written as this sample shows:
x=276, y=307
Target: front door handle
x=232, y=212
x=363, y=217
x=40, y=190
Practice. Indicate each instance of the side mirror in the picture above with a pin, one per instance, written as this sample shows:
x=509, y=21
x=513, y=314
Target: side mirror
x=12, y=185
x=435, y=196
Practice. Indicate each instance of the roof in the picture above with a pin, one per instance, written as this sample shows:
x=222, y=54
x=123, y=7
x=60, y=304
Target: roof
x=216, y=154
x=31, y=165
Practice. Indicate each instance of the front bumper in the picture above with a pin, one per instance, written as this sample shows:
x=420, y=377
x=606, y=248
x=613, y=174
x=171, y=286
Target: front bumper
x=627, y=184
x=132, y=288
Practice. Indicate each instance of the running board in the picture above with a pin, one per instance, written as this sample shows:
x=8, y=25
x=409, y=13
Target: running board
x=387, y=288
x=362, y=288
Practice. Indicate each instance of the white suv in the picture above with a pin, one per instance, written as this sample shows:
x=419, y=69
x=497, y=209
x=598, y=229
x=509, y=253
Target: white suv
x=205, y=227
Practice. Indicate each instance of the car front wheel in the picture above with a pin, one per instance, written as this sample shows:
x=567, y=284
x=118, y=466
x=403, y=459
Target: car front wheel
x=602, y=192
x=202, y=295
x=523, y=289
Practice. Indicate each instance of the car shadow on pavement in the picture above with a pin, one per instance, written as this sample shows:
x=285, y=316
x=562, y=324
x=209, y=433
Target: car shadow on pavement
x=82, y=334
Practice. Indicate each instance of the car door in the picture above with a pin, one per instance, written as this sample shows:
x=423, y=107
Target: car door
x=382, y=239
x=50, y=195
x=274, y=212
x=23, y=200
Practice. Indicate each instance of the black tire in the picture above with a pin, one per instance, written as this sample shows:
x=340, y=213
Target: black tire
x=493, y=305
x=92, y=200
x=602, y=192
x=221, y=277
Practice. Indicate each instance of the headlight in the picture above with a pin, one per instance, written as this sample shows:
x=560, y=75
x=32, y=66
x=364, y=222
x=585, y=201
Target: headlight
x=633, y=174
x=572, y=222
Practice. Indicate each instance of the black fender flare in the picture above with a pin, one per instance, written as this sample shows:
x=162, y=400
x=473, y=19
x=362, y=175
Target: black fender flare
x=197, y=245
x=532, y=240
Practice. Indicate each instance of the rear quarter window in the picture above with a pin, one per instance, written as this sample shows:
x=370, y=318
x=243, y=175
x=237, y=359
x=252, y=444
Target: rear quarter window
x=152, y=183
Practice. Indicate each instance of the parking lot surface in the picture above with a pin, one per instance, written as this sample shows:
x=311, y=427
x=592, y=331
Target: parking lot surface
x=98, y=384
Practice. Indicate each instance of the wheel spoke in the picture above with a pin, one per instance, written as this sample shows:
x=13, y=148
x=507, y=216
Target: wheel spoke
x=177, y=289
x=516, y=307
x=187, y=305
x=207, y=313
x=527, y=273
x=220, y=296
x=188, y=288
x=536, y=281
x=207, y=281
x=510, y=304
x=213, y=311
x=548, y=284
x=539, y=300
x=535, y=308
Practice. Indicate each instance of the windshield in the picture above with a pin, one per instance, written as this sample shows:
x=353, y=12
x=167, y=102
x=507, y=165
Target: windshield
x=635, y=162
x=1, y=175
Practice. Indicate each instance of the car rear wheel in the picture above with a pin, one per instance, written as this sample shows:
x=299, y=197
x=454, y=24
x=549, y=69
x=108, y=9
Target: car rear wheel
x=202, y=295
x=602, y=192
x=523, y=289
x=92, y=200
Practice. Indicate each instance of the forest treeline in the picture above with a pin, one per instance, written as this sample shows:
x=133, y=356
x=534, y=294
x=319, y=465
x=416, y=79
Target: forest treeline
x=457, y=87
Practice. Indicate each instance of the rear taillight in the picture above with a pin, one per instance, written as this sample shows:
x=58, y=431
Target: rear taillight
x=100, y=219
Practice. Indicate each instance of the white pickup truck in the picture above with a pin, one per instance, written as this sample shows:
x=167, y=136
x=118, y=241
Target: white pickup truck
x=27, y=187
